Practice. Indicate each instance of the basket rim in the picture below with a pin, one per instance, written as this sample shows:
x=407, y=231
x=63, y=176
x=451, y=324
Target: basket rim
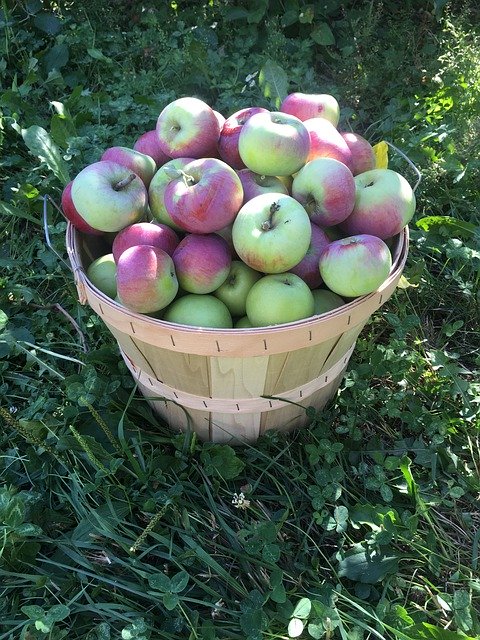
x=84, y=284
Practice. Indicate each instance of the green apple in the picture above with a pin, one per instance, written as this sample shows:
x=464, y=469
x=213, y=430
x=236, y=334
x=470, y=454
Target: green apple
x=279, y=298
x=233, y=292
x=356, y=265
x=271, y=233
x=325, y=301
x=199, y=310
x=102, y=273
x=243, y=323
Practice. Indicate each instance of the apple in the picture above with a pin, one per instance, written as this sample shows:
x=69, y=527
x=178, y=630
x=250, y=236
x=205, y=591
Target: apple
x=188, y=127
x=325, y=301
x=149, y=233
x=233, y=292
x=356, y=265
x=312, y=105
x=156, y=191
x=326, y=188
x=362, y=154
x=148, y=144
x=278, y=298
x=141, y=164
x=205, y=197
x=384, y=204
x=230, y=133
x=146, y=279
x=254, y=185
x=102, y=274
x=199, y=310
x=202, y=262
x=72, y=215
x=243, y=323
x=274, y=144
x=220, y=118
x=307, y=268
x=326, y=142
x=271, y=233
x=109, y=196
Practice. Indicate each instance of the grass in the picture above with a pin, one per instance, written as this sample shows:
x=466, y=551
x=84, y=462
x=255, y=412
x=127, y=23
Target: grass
x=366, y=524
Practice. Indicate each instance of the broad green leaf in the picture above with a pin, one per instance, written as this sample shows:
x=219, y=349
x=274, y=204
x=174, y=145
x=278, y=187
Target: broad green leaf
x=3, y=319
x=33, y=611
x=56, y=58
x=62, y=129
x=15, y=212
x=48, y=22
x=453, y=226
x=96, y=54
x=369, y=568
x=41, y=145
x=170, y=601
x=160, y=582
x=179, y=582
x=303, y=608
x=307, y=14
x=274, y=82
x=461, y=599
x=322, y=34
x=222, y=460
x=58, y=612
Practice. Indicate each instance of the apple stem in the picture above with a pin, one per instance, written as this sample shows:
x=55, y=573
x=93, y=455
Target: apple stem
x=125, y=182
x=187, y=179
x=267, y=224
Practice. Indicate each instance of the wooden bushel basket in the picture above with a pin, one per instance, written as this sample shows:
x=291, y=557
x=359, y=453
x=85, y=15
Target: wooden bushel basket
x=231, y=385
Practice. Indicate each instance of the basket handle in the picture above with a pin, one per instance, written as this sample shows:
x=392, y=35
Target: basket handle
x=413, y=166
x=46, y=199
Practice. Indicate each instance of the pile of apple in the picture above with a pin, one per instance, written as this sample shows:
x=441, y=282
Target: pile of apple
x=258, y=219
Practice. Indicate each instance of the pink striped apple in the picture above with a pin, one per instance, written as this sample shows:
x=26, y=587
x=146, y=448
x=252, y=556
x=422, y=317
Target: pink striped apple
x=148, y=144
x=188, y=127
x=149, y=233
x=254, y=184
x=205, y=197
x=326, y=141
x=146, y=279
x=156, y=190
x=384, y=204
x=307, y=268
x=202, y=262
x=326, y=188
x=312, y=105
x=363, y=157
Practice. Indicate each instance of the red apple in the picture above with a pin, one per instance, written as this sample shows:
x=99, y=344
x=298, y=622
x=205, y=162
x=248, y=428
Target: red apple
x=149, y=233
x=188, y=127
x=254, y=184
x=202, y=262
x=146, y=279
x=144, y=166
x=205, y=197
x=327, y=142
x=230, y=133
x=148, y=144
x=312, y=105
x=363, y=156
x=326, y=188
x=307, y=268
